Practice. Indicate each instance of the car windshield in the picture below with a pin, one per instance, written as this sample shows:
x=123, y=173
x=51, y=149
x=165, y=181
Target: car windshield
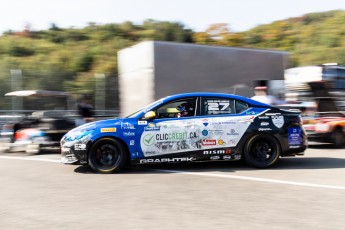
x=147, y=108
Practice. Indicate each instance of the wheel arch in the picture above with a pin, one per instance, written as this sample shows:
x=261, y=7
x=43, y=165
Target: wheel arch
x=249, y=136
x=255, y=135
x=114, y=138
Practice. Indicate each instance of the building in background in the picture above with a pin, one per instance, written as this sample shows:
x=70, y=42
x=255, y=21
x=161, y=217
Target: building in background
x=151, y=70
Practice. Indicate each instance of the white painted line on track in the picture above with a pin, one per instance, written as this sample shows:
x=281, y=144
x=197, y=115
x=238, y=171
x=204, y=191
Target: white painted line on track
x=29, y=159
x=227, y=176
x=254, y=179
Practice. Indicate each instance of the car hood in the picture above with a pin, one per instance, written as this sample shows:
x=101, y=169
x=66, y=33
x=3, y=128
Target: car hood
x=97, y=124
x=85, y=131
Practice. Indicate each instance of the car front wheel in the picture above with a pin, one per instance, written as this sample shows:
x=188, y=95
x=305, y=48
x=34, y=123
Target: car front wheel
x=107, y=155
x=338, y=138
x=261, y=151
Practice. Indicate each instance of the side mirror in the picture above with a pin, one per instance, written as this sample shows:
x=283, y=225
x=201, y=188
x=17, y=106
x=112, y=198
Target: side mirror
x=150, y=115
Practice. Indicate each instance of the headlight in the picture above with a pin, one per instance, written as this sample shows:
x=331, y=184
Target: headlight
x=78, y=135
x=85, y=127
x=322, y=128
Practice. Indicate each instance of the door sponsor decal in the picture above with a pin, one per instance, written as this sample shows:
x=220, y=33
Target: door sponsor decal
x=192, y=134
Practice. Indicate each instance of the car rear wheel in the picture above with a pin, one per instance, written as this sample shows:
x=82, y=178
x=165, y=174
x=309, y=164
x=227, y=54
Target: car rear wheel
x=107, y=155
x=261, y=151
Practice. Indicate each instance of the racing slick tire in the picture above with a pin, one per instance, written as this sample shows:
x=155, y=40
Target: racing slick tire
x=107, y=155
x=262, y=151
x=338, y=138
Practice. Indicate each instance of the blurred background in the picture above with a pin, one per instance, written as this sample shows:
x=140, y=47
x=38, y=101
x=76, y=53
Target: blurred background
x=109, y=58
x=83, y=60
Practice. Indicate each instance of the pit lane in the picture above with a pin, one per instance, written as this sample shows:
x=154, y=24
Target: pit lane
x=301, y=192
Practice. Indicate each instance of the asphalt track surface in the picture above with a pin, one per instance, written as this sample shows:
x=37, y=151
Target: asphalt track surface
x=38, y=192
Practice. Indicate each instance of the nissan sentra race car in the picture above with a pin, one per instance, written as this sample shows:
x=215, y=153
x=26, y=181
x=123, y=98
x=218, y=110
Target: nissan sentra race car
x=189, y=127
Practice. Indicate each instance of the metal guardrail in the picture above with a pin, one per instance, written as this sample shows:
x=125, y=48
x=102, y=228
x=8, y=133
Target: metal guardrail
x=12, y=116
x=114, y=113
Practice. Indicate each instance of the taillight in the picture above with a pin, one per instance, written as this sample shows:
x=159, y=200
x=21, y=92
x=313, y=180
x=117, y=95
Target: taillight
x=20, y=135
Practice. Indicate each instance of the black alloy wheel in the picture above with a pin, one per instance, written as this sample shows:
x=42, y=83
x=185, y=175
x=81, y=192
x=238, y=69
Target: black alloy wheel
x=107, y=155
x=262, y=151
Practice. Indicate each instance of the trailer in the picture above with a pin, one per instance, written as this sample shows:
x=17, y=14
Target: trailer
x=153, y=69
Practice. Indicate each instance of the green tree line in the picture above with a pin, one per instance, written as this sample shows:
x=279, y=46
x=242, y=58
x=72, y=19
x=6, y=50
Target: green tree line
x=67, y=59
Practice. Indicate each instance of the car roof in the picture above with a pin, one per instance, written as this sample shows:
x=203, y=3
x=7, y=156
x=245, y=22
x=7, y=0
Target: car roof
x=224, y=95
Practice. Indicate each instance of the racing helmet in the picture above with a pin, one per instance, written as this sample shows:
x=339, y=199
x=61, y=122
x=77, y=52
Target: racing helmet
x=186, y=109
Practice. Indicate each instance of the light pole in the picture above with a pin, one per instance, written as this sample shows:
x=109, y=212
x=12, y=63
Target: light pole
x=16, y=84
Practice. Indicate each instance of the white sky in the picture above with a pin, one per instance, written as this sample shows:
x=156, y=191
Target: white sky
x=194, y=14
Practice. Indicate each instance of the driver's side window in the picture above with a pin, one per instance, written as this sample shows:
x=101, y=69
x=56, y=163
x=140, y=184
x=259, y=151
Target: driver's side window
x=178, y=108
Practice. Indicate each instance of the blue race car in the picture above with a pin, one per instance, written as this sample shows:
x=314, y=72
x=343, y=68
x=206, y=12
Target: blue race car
x=189, y=127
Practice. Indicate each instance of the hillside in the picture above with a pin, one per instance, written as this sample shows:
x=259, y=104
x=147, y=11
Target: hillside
x=68, y=59
x=311, y=39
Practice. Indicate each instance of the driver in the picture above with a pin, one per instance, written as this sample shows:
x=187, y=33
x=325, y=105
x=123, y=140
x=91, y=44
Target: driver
x=185, y=110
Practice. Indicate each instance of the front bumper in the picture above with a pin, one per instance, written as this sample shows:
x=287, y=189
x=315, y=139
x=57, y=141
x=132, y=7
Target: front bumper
x=74, y=147
x=316, y=136
x=74, y=154
x=69, y=159
x=67, y=156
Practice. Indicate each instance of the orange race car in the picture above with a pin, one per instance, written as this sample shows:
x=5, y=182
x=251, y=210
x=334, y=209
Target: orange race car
x=327, y=124
x=326, y=129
